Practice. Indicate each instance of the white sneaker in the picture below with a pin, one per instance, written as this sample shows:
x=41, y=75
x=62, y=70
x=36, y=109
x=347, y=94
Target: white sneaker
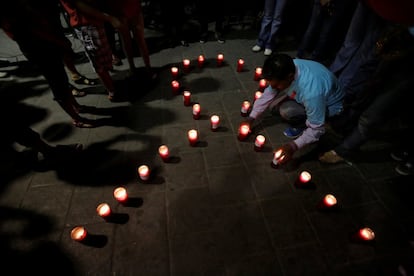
x=267, y=52
x=256, y=48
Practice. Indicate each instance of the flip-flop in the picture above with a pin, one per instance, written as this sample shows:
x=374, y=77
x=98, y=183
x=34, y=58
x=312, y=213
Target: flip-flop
x=85, y=81
x=76, y=92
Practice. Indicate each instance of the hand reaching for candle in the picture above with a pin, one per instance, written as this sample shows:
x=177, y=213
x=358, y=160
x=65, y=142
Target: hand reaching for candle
x=287, y=151
x=248, y=121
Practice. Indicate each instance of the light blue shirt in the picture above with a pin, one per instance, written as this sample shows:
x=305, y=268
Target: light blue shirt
x=317, y=89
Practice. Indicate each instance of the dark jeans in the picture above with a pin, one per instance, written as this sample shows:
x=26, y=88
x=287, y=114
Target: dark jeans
x=359, y=46
x=390, y=102
x=326, y=26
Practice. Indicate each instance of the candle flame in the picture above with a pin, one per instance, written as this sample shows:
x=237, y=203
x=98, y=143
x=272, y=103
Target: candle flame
x=260, y=139
x=120, y=194
x=78, y=233
x=215, y=119
x=330, y=200
x=305, y=177
x=258, y=94
x=366, y=234
x=103, y=210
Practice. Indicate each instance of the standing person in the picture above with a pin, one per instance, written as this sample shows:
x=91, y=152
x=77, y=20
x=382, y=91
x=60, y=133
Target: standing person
x=311, y=95
x=384, y=96
x=31, y=26
x=270, y=26
x=327, y=26
x=87, y=19
x=131, y=15
x=173, y=20
x=358, y=48
x=207, y=10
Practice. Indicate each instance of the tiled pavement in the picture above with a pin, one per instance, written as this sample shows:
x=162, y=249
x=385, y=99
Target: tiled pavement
x=216, y=209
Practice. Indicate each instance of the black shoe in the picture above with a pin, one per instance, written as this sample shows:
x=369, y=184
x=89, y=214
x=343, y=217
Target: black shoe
x=219, y=37
x=203, y=38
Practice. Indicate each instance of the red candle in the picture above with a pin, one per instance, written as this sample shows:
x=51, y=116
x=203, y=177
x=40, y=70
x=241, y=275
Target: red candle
x=257, y=95
x=240, y=64
x=187, y=98
x=366, y=234
x=259, y=142
x=121, y=194
x=175, y=85
x=214, y=120
x=164, y=152
x=304, y=177
x=262, y=84
x=78, y=233
x=200, y=61
x=103, y=210
x=174, y=72
x=245, y=108
x=258, y=73
x=144, y=172
x=244, y=131
x=196, y=111
x=186, y=65
x=277, y=157
x=329, y=200
x=220, y=58
x=192, y=137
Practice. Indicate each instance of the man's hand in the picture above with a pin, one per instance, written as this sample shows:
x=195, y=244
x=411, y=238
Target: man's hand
x=287, y=152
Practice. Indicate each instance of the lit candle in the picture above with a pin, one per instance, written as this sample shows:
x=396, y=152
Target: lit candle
x=174, y=72
x=244, y=131
x=214, y=120
x=120, y=194
x=78, y=233
x=200, y=61
x=329, y=202
x=366, y=234
x=259, y=142
x=196, y=111
x=304, y=177
x=240, y=64
x=175, y=85
x=164, y=153
x=277, y=157
x=186, y=65
x=245, y=108
x=187, y=98
x=192, y=137
x=257, y=95
x=220, y=58
x=144, y=172
x=103, y=210
x=262, y=84
x=258, y=73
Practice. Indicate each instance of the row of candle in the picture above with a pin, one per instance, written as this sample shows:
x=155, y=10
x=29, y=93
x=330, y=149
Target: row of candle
x=329, y=202
x=220, y=59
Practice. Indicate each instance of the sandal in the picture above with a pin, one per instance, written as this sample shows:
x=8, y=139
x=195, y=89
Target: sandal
x=116, y=61
x=84, y=80
x=76, y=92
x=111, y=96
